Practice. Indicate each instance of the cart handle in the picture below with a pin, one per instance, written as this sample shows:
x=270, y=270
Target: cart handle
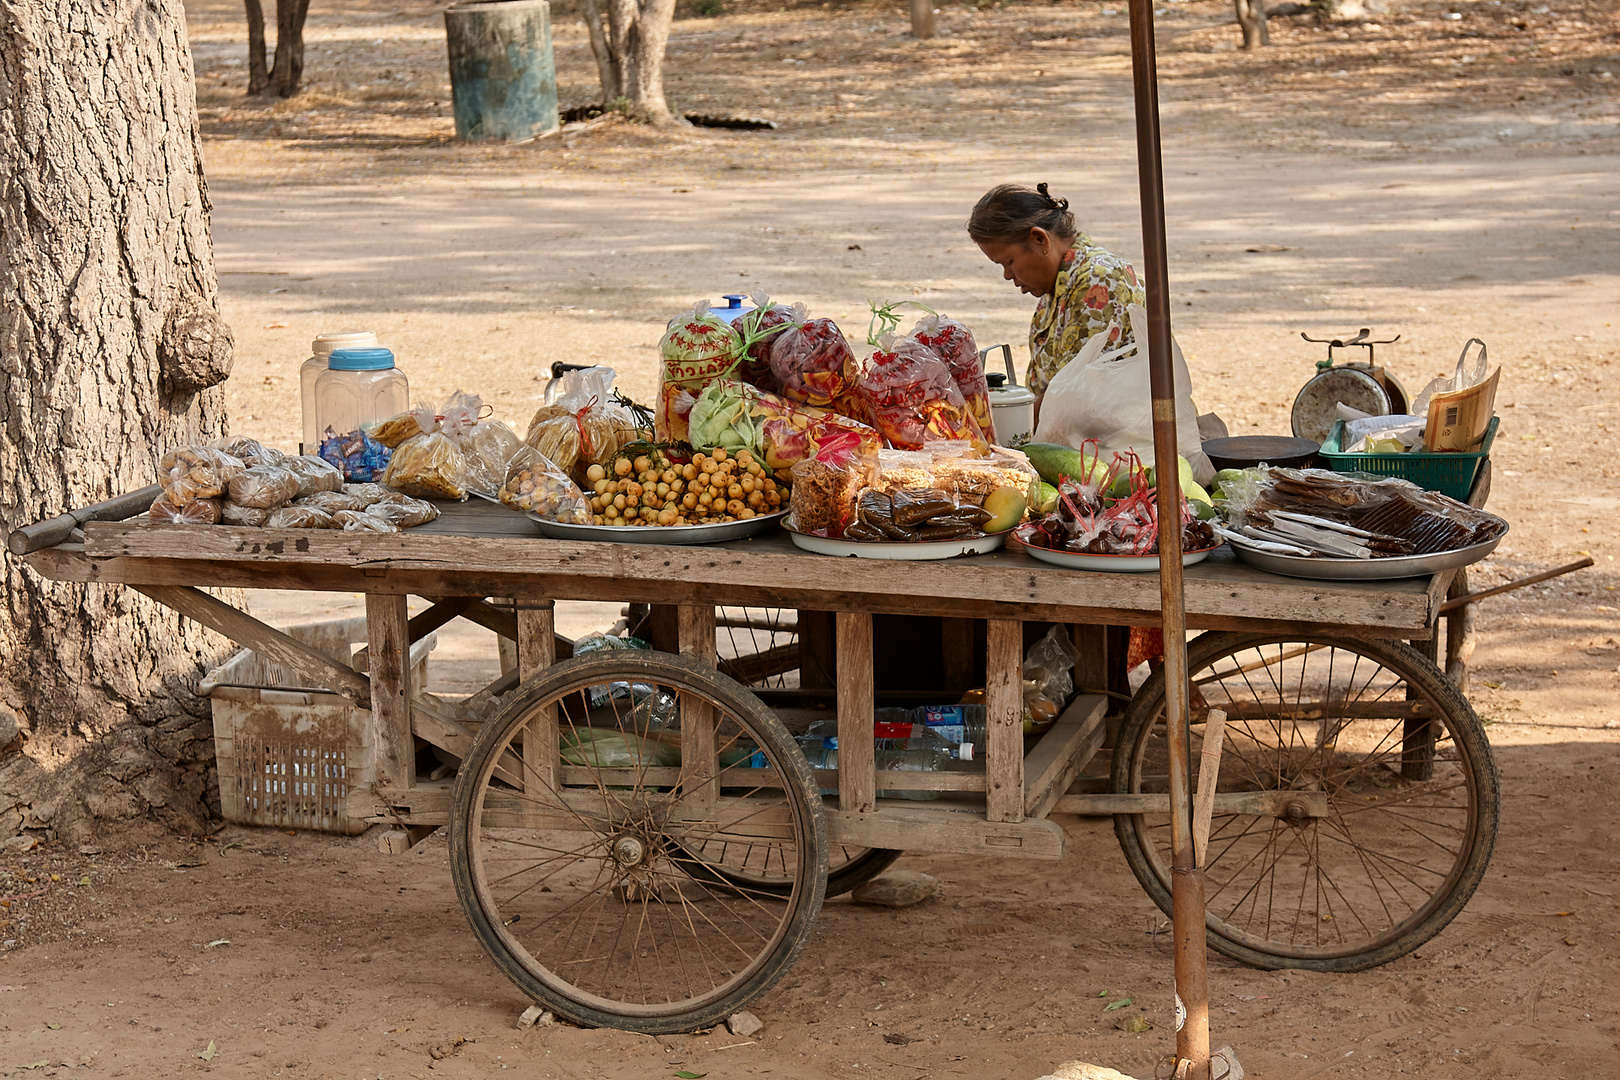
x=53, y=531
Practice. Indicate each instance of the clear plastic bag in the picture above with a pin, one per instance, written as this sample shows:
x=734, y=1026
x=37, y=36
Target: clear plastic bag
x=299, y=517
x=196, y=472
x=584, y=426
x=404, y=511
x=535, y=485
x=360, y=521
x=250, y=451
x=759, y=330
x=314, y=474
x=263, y=487
x=697, y=348
x=366, y=493
x=815, y=366
x=737, y=416
x=252, y=516
x=825, y=494
x=953, y=343
x=487, y=445
x=166, y=511
x=422, y=420
x=428, y=465
x=964, y=471
x=911, y=398
x=333, y=501
x=1049, y=665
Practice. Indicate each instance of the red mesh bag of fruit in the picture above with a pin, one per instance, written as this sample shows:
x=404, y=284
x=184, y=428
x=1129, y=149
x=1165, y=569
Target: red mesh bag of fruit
x=911, y=398
x=953, y=343
x=815, y=366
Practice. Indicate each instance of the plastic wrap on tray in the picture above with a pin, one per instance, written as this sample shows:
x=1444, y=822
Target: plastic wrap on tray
x=910, y=397
x=333, y=501
x=299, y=517
x=953, y=343
x=404, y=511
x=192, y=512
x=360, y=521
x=264, y=487
x=535, y=485
x=196, y=472
x=584, y=426
x=367, y=493
x=823, y=502
x=428, y=465
x=314, y=474
x=250, y=451
x=253, y=516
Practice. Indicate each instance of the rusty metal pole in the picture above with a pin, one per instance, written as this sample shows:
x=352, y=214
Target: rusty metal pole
x=1186, y=876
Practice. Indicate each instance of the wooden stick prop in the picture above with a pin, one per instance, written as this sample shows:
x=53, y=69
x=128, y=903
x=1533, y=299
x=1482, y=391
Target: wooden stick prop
x=1209, y=773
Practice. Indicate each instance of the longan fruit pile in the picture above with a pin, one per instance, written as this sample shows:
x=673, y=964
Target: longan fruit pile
x=650, y=489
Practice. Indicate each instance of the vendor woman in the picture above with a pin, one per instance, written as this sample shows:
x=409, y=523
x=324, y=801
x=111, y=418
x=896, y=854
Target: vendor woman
x=1083, y=289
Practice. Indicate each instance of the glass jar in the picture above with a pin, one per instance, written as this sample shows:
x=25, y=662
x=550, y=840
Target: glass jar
x=311, y=369
x=359, y=389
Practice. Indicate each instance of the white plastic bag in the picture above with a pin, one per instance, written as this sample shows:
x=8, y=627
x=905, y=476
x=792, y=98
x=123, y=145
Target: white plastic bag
x=1108, y=396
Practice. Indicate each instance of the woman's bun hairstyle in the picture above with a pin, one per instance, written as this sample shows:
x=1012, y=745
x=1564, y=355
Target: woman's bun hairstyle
x=1008, y=212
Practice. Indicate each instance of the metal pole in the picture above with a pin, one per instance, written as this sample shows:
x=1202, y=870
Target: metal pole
x=1186, y=876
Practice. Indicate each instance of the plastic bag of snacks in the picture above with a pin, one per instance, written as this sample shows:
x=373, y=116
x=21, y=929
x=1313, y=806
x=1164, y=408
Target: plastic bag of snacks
x=254, y=516
x=825, y=493
x=333, y=501
x=965, y=471
x=358, y=521
x=584, y=426
x=366, y=493
x=759, y=330
x=737, y=416
x=912, y=399
x=357, y=455
x=486, y=444
x=263, y=487
x=314, y=474
x=196, y=472
x=402, y=510
x=815, y=366
x=250, y=451
x=698, y=348
x=535, y=485
x=299, y=517
x=953, y=343
x=428, y=465
x=193, y=512
x=422, y=420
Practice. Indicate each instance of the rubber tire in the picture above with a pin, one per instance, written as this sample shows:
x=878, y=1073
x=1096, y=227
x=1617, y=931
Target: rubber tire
x=730, y=695
x=1397, y=656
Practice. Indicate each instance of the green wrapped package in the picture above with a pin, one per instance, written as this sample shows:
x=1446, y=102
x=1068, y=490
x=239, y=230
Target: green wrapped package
x=604, y=748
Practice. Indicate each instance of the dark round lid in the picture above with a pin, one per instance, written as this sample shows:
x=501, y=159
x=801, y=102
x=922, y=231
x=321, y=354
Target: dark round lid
x=996, y=379
x=1242, y=451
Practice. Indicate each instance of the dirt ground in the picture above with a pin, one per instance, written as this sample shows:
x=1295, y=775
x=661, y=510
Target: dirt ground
x=1437, y=178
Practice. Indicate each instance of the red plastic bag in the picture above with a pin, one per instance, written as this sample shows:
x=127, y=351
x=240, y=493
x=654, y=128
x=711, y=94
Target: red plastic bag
x=953, y=343
x=816, y=366
x=759, y=330
x=911, y=398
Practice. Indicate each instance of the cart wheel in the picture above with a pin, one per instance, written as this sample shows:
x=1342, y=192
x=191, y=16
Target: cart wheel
x=1374, y=857
x=581, y=888
x=756, y=866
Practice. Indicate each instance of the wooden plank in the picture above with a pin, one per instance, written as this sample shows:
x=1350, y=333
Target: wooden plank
x=1258, y=803
x=664, y=627
x=1327, y=710
x=1091, y=665
x=776, y=660
x=1063, y=752
x=915, y=827
x=537, y=651
x=1004, y=720
x=857, y=779
x=694, y=632
x=1209, y=778
x=387, y=623
x=506, y=645
x=314, y=667
x=957, y=655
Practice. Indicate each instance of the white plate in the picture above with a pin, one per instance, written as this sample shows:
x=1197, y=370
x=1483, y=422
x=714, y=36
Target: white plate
x=1130, y=564
x=713, y=533
x=901, y=550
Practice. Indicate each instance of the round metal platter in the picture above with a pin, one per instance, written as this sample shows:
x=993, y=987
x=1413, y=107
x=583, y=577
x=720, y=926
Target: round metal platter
x=899, y=550
x=1126, y=564
x=1327, y=568
x=715, y=533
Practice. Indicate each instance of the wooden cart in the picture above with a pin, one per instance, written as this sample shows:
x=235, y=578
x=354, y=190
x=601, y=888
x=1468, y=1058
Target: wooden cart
x=639, y=842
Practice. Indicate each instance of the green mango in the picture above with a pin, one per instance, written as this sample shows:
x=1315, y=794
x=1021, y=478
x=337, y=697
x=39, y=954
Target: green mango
x=1226, y=476
x=1053, y=461
x=1046, y=499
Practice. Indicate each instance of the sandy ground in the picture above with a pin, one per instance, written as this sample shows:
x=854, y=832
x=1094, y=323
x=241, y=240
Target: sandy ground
x=1435, y=178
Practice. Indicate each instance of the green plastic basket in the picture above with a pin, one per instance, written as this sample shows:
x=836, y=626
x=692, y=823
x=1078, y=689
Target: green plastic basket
x=1448, y=472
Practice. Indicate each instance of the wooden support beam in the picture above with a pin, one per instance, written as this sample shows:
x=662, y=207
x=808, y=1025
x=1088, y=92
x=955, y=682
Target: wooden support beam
x=399, y=841
x=393, y=744
x=700, y=762
x=537, y=651
x=1063, y=752
x=315, y=668
x=1004, y=720
x=1293, y=804
x=857, y=770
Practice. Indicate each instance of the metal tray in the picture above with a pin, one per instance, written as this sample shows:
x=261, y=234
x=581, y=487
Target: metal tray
x=1129, y=564
x=715, y=533
x=1326, y=568
x=898, y=550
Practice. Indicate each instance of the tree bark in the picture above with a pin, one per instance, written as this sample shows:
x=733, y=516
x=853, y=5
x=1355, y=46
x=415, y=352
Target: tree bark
x=1251, y=15
x=922, y=18
x=106, y=266
x=288, y=71
x=258, y=61
x=629, y=39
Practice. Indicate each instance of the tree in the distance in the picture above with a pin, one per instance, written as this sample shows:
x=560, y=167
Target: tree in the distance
x=111, y=352
x=628, y=39
x=282, y=77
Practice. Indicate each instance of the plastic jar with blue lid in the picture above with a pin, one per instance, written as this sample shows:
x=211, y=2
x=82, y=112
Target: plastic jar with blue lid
x=359, y=389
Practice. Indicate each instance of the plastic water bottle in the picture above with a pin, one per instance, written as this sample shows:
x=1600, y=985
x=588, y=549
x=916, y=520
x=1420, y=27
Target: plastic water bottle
x=923, y=752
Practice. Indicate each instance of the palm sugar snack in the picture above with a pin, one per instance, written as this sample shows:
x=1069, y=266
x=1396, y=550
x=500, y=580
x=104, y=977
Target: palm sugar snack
x=196, y=472
x=428, y=465
x=263, y=487
x=314, y=474
x=196, y=512
x=359, y=521
x=299, y=517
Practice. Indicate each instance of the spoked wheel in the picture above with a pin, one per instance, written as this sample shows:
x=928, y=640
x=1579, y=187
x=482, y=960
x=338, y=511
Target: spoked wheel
x=1357, y=802
x=756, y=866
x=578, y=873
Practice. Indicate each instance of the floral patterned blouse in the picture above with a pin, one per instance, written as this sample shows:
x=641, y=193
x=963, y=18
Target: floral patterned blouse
x=1093, y=288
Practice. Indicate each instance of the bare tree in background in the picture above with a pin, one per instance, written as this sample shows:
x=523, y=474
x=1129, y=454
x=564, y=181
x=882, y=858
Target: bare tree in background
x=1251, y=15
x=283, y=77
x=628, y=39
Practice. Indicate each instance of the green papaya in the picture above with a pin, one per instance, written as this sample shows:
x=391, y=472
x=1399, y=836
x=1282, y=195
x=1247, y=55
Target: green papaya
x=1053, y=461
x=1046, y=499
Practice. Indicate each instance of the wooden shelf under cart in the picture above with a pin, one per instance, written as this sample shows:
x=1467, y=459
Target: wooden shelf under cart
x=675, y=842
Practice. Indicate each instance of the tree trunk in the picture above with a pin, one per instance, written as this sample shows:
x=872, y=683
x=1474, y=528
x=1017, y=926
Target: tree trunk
x=106, y=278
x=629, y=45
x=1251, y=15
x=258, y=65
x=922, y=19
x=288, y=71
